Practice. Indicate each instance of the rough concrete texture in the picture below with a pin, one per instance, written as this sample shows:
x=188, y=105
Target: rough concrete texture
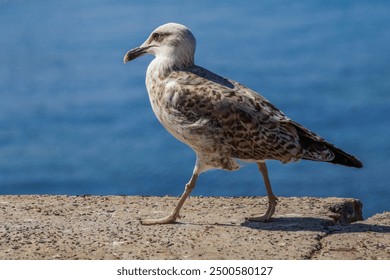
x=107, y=227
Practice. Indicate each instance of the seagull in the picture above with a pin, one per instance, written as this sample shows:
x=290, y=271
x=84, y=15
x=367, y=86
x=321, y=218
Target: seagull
x=220, y=119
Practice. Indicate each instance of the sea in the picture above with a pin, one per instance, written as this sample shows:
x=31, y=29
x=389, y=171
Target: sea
x=74, y=120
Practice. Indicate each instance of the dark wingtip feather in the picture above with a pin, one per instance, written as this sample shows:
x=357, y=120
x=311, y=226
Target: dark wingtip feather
x=312, y=142
x=344, y=158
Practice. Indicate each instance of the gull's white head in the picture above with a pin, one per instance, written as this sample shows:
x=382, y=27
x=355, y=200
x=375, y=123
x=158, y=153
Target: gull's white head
x=172, y=41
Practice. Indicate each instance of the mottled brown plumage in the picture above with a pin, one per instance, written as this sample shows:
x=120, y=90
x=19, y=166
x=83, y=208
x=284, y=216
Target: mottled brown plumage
x=220, y=119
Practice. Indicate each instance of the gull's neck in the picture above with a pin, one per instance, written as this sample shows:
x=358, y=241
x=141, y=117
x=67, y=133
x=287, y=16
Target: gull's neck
x=162, y=65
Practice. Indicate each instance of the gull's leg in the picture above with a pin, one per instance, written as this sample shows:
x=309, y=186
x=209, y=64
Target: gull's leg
x=272, y=199
x=171, y=218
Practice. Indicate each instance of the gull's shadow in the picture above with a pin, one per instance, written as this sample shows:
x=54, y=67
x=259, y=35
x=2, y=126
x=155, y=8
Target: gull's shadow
x=292, y=224
x=314, y=224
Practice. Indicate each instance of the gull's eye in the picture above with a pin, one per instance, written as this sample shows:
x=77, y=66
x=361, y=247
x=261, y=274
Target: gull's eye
x=156, y=36
x=159, y=36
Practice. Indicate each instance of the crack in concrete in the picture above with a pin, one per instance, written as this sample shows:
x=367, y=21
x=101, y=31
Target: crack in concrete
x=344, y=215
x=319, y=245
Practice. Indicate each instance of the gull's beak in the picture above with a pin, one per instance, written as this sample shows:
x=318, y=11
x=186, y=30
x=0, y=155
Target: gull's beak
x=134, y=53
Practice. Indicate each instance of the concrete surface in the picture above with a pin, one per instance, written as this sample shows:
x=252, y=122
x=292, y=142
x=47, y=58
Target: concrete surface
x=107, y=227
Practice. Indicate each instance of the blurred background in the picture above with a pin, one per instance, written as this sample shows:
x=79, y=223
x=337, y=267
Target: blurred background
x=74, y=120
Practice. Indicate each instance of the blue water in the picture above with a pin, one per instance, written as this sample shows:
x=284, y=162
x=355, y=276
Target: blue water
x=75, y=120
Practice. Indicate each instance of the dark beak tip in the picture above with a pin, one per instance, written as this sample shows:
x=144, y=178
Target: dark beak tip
x=127, y=57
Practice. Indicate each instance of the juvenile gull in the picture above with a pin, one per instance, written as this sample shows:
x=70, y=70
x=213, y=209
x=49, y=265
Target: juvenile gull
x=220, y=119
